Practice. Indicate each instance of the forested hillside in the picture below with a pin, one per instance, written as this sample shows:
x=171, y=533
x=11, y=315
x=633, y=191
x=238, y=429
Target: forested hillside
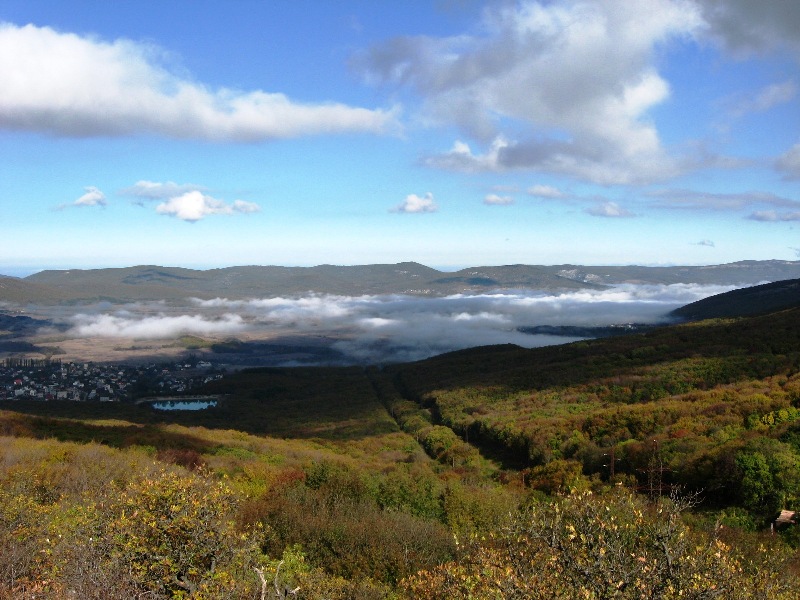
x=644, y=466
x=710, y=407
x=756, y=300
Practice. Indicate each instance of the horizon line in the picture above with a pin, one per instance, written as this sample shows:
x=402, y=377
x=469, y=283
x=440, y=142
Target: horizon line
x=19, y=272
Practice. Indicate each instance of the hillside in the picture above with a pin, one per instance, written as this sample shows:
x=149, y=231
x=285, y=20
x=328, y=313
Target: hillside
x=172, y=283
x=21, y=291
x=354, y=483
x=696, y=398
x=759, y=299
x=681, y=385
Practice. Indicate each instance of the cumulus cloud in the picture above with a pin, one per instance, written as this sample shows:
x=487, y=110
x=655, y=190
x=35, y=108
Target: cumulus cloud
x=746, y=26
x=153, y=190
x=417, y=204
x=70, y=85
x=497, y=200
x=789, y=163
x=579, y=77
x=608, y=209
x=461, y=158
x=546, y=191
x=193, y=206
x=708, y=243
x=92, y=197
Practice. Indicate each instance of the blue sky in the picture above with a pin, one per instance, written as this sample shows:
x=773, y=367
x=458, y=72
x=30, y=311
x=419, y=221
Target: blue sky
x=452, y=132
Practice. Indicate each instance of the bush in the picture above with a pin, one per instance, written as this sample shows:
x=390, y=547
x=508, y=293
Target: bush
x=176, y=535
x=589, y=546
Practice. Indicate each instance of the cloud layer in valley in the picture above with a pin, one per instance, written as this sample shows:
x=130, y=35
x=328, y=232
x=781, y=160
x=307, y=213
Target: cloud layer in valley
x=395, y=327
x=127, y=324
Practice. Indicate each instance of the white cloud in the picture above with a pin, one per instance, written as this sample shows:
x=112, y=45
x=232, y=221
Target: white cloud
x=153, y=326
x=764, y=99
x=708, y=243
x=789, y=163
x=578, y=77
x=304, y=313
x=69, y=85
x=608, y=209
x=244, y=207
x=396, y=327
x=692, y=200
x=153, y=190
x=461, y=158
x=193, y=206
x=92, y=197
x=773, y=215
x=497, y=200
x=546, y=191
x=417, y=204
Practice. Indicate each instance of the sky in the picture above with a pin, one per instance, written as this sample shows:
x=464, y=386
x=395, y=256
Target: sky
x=454, y=133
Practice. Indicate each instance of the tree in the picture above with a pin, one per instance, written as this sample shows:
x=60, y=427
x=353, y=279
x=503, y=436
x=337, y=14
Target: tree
x=769, y=476
x=600, y=547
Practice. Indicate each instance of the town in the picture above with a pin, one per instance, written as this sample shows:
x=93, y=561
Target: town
x=46, y=380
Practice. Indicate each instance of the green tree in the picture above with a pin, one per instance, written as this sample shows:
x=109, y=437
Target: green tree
x=769, y=476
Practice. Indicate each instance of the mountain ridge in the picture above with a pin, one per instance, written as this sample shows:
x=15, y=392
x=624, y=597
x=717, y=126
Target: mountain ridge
x=153, y=282
x=751, y=301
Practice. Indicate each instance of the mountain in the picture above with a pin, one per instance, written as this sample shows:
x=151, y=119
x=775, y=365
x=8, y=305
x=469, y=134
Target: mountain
x=748, y=301
x=150, y=282
x=746, y=272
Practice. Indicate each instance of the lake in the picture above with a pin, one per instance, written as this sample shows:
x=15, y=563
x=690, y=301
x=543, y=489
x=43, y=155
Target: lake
x=184, y=405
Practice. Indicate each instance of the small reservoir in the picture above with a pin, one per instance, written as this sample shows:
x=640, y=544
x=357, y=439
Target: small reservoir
x=184, y=404
x=180, y=402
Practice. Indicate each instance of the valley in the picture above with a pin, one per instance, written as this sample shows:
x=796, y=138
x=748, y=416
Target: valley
x=675, y=443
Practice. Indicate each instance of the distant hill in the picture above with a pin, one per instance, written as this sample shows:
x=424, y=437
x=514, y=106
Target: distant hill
x=21, y=291
x=151, y=282
x=756, y=300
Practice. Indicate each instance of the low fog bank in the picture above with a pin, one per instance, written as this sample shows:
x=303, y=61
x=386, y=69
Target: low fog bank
x=390, y=328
